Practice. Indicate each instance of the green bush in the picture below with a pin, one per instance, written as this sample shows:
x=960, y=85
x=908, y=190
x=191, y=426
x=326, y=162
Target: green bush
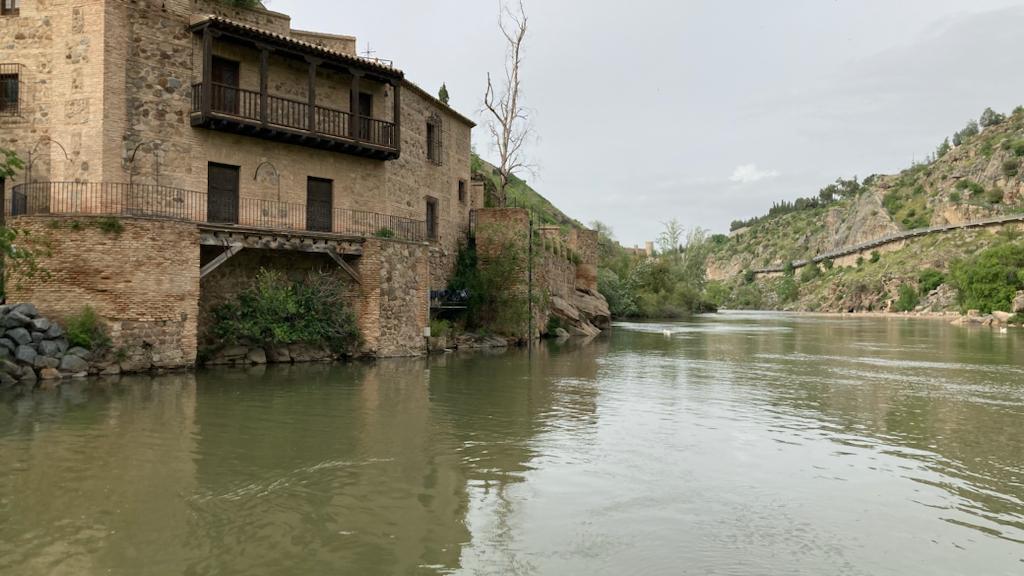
x=990, y=280
x=275, y=311
x=809, y=273
x=788, y=269
x=554, y=325
x=86, y=330
x=875, y=257
x=384, y=233
x=440, y=328
x=994, y=196
x=971, y=186
x=787, y=290
x=860, y=261
x=1011, y=168
x=829, y=264
x=929, y=279
x=955, y=197
x=908, y=299
x=619, y=293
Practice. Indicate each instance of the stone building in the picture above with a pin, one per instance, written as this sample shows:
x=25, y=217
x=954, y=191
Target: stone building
x=222, y=140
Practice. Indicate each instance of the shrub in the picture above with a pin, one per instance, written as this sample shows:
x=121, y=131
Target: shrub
x=619, y=293
x=1011, y=168
x=929, y=279
x=990, y=280
x=908, y=299
x=875, y=257
x=994, y=196
x=110, y=225
x=554, y=325
x=788, y=269
x=955, y=197
x=787, y=290
x=275, y=311
x=970, y=185
x=440, y=328
x=860, y=261
x=809, y=273
x=86, y=330
x=384, y=233
x=968, y=132
x=829, y=264
x=991, y=118
x=749, y=276
x=1018, y=148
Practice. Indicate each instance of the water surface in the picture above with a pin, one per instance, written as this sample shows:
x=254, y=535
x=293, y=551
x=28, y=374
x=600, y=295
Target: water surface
x=741, y=444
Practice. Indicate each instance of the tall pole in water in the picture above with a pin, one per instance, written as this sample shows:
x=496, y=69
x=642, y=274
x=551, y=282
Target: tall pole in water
x=529, y=283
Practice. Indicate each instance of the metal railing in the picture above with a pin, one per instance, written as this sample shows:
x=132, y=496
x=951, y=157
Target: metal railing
x=284, y=112
x=141, y=200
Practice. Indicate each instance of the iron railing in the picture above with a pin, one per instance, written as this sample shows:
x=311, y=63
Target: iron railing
x=11, y=94
x=247, y=105
x=141, y=200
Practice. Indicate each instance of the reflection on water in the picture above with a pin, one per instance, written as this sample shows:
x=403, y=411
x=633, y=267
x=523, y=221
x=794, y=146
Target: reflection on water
x=737, y=444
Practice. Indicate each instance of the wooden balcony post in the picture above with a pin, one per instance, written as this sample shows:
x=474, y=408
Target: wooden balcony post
x=264, y=81
x=397, y=115
x=207, y=89
x=313, y=64
x=353, y=108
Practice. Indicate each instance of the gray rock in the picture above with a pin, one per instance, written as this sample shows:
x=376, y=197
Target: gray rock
x=25, y=355
x=80, y=352
x=257, y=356
x=4, y=309
x=1002, y=316
x=46, y=362
x=234, y=352
x=41, y=324
x=62, y=345
x=20, y=336
x=561, y=334
x=28, y=374
x=11, y=368
x=26, y=309
x=73, y=364
x=6, y=380
x=15, y=319
x=50, y=348
x=5, y=354
x=112, y=370
x=8, y=343
x=54, y=331
x=38, y=337
x=279, y=355
x=1018, y=303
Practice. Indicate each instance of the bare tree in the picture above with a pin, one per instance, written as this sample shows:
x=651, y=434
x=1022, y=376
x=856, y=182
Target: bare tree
x=509, y=123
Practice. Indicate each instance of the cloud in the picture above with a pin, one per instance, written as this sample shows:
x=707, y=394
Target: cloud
x=750, y=173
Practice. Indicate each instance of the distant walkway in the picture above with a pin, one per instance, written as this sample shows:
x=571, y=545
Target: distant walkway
x=893, y=238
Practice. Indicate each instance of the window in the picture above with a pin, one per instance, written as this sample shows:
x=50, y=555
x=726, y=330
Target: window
x=431, y=218
x=319, y=204
x=222, y=194
x=434, y=151
x=462, y=191
x=10, y=7
x=9, y=94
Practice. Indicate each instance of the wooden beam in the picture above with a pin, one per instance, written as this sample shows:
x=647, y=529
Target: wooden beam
x=345, y=266
x=207, y=70
x=264, y=81
x=353, y=107
x=397, y=117
x=220, y=259
x=313, y=64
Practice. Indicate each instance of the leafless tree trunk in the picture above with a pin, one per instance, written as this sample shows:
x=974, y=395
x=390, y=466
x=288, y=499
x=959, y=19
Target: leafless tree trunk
x=509, y=123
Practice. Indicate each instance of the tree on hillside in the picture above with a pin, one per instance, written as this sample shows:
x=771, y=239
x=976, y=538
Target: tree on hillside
x=943, y=149
x=991, y=118
x=669, y=240
x=969, y=131
x=509, y=123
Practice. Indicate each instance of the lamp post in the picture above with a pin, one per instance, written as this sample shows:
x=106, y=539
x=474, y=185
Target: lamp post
x=32, y=155
x=131, y=162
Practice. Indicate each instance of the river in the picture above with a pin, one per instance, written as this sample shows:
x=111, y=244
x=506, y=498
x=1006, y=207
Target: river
x=741, y=444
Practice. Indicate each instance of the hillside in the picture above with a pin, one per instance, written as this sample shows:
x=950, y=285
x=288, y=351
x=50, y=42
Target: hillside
x=520, y=194
x=981, y=178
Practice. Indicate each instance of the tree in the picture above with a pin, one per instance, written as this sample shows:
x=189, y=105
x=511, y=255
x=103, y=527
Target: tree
x=943, y=148
x=670, y=238
x=17, y=255
x=991, y=118
x=969, y=131
x=442, y=95
x=509, y=124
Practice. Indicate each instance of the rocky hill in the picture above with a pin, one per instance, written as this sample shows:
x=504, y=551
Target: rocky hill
x=980, y=178
x=521, y=194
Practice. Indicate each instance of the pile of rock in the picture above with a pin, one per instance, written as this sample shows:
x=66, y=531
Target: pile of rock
x=586, y=315
x=34, y=348
x=976, y=318
x=242, y=355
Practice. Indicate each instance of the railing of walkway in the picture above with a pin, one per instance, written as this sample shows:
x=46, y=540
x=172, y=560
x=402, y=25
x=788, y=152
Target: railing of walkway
x=141, y=200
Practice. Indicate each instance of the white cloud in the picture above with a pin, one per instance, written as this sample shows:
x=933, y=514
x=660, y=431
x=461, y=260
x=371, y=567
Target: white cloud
x=750, y=173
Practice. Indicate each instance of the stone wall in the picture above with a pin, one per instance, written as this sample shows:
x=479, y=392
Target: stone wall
x=144, y=281
x=394, y=297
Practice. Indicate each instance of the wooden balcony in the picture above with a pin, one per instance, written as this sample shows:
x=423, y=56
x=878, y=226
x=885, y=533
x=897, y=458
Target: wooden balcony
x=265, y=116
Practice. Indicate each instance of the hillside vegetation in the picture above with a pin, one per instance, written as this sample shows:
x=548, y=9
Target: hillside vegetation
x=974, y=175
x=520, y=194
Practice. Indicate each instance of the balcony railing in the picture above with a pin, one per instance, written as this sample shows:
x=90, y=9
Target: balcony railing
x=111, y=199
x=247, y=106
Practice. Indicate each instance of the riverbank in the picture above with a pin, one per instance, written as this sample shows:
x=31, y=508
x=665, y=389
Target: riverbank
x=997, y=319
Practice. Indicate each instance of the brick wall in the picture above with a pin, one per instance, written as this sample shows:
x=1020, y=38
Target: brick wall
x=394, y=296
x=144, y=282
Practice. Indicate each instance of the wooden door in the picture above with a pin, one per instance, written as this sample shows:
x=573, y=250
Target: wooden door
x=222, y=194
x=432, y=218
x=224, y=92
x=365, y=114
x=319, y=204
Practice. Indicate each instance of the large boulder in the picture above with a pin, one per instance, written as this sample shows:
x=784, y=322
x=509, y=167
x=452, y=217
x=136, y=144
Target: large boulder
x=565, y=310
x=15, y=319
x=25, y=355
x=1018, y=303
x=8, y=343
x=41, y=324
x=54, y=331
x=49, y=374
x=46, y=362
x=279, y=355
x=50, y=348
x=593, y=307
x=257, y=356
x=28, y=310
x=19, y=336
x=73, y=364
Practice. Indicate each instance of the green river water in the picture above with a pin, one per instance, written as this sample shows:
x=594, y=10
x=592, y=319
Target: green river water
x=742, y=444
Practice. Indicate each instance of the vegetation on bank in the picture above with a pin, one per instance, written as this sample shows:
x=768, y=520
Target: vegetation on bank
x=19, y=250
x=276, y=311
x=491, y=306
x=672, y=284
x=518, y=193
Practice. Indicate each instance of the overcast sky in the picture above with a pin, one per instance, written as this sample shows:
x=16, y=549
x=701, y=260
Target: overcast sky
x=708, y=110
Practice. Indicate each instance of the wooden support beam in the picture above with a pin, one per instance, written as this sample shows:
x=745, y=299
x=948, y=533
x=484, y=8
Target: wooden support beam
x=220, y=259
x=344, y=266
x=207, y=70
x=353, y=108
x=264, y=81
x=397, y=115
x=313, y=64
